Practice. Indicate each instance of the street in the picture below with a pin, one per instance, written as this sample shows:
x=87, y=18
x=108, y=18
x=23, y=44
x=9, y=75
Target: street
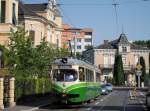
x=118, y=100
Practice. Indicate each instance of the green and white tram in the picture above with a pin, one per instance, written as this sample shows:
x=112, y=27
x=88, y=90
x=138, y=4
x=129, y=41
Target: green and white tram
x=75, y=81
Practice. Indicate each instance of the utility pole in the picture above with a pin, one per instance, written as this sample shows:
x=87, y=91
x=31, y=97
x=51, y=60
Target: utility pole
x=74, y=43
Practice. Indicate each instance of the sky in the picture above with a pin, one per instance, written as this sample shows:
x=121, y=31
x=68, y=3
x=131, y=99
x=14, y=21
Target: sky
x=131, y=17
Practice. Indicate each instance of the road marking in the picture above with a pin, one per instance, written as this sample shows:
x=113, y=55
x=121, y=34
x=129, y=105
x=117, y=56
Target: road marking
x=36, y=108
x=88, y=109
x=96, y=103
x=142, y=94
x=101, y=99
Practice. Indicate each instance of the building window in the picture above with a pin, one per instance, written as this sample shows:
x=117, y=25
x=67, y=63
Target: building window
x=32, y=35
x=3, y=11
x=14, y=20
x=124, y=60
x=124, y=49
x=88, y=33
x=106, y=60
x=88, y=40
x=78, y=40
x=79, y=47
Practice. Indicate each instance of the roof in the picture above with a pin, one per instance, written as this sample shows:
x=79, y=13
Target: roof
x=121, y=40
x=23, y=11
x=36, y=7
x=71, y=61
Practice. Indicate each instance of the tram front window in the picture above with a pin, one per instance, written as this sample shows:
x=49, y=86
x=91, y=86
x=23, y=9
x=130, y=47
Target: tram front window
x=64, y=75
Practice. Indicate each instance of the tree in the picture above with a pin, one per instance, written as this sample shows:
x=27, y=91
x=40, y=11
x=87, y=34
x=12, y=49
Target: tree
x=118, y=71
x=26, y=60
x=142, y=63
x=145, y=43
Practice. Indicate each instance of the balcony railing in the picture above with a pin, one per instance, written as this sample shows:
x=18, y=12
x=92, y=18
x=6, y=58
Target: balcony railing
x=111, y=66
x=108, y=66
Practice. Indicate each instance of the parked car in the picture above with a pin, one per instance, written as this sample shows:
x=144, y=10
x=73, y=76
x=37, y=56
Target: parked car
x=109, y=87
x=104, y=90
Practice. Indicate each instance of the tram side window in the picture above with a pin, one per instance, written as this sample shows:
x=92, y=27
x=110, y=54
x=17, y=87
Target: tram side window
x=97, y=77
x=92, y=76
x=89, y=75
x=81, y=74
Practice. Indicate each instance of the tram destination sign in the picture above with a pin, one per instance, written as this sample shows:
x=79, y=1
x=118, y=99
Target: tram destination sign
x=64, y=66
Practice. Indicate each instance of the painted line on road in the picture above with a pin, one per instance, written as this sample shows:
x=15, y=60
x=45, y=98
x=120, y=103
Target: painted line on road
x=96, y=103
x=142, y=94
x=88, y=109
x=145, y=108
x=36, y=108
x=104, y=99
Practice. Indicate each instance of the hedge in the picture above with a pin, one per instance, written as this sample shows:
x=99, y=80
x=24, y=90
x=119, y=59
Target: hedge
x=31, y=87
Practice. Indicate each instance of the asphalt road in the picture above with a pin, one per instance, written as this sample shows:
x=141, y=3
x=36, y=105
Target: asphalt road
x=118, y=100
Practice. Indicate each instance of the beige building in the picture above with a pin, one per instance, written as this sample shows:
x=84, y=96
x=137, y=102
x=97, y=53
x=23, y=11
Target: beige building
x=40, y=20
x=104, y=56
x=8, y=19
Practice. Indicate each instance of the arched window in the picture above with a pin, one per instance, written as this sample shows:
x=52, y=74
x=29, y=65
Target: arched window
x=32, y=35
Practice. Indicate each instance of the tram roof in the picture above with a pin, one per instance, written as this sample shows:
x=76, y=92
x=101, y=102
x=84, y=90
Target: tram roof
x=72, y=61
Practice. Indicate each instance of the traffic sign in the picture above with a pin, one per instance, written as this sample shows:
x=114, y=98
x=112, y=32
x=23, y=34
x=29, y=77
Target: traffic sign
x=139, y=67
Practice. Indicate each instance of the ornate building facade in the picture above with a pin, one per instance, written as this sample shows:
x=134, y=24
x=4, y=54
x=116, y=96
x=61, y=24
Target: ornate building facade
x=39, y=20
x=104, y=57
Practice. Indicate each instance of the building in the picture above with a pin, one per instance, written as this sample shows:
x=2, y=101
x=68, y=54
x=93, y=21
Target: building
x=8, y=19
x=104, y=56
x=80, y=39
x=39, y=20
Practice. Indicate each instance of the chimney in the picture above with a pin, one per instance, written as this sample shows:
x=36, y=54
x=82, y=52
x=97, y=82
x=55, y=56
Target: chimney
x=106, y=41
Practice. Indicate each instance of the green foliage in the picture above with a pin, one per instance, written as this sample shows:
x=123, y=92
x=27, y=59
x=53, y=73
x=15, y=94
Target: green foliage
x=109, y=80
x=143, y=43
x=118, y=71
x=25, y=59
x=31, y=86
x=142, y=62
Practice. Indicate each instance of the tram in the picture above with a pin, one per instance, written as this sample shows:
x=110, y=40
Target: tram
x=75, y=81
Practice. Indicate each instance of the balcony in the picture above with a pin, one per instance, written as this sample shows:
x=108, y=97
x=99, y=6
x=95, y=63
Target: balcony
x=106, y=66
x=5, y=27
x=111, y=66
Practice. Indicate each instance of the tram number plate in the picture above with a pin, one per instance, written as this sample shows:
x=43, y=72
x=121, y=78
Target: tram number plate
x=64, y=66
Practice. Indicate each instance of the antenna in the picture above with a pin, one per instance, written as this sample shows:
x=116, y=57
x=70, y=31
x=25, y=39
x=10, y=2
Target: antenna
x=116, y=14
x=122, y=29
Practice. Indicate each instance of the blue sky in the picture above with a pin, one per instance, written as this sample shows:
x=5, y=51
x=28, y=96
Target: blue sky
x=133, y=16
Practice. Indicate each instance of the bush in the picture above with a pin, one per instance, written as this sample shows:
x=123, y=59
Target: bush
x=31, y=87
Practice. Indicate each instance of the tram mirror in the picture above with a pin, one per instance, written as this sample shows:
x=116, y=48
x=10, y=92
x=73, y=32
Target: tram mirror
x=64, y=60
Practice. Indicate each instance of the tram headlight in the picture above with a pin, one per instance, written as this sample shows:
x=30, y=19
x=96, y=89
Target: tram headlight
x=64, y=95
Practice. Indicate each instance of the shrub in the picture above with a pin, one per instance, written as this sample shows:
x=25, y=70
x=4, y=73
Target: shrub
x=31, y=87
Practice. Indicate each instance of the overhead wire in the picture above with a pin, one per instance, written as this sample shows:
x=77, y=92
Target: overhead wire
x=102, y=4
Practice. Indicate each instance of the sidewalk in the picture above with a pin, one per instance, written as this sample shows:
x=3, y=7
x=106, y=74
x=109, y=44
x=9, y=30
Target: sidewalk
x=30, y=106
